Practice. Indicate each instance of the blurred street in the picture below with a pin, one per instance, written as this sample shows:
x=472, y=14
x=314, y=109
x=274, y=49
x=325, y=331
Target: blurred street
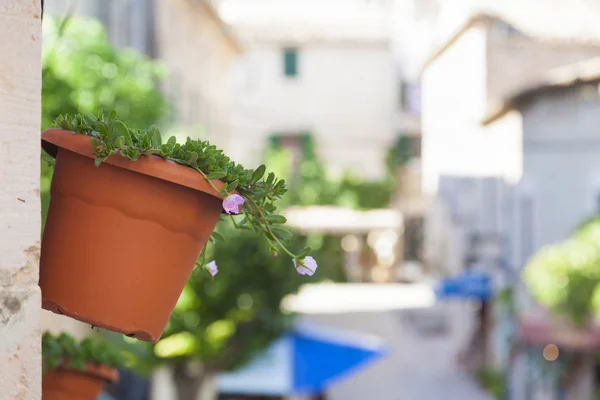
x=427, y=369
x=422, y=339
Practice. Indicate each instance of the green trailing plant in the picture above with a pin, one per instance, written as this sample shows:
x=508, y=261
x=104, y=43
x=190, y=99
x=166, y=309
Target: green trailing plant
x=245, y=191
x=64, y=350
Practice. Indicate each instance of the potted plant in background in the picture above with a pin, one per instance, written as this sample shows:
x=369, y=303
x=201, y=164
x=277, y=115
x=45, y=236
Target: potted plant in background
x=564, y=279
x=77, y=370
x=129, y=218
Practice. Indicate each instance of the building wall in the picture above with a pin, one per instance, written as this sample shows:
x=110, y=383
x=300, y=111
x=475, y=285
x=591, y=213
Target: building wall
x=344, y=94
x=191, y=43
x=561, y=165
x=20, y=108
x=516, y=62
x=453, y=95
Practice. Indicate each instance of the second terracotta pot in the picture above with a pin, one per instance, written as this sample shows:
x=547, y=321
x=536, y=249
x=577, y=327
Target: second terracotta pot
x=121, y=239
x=70, y=384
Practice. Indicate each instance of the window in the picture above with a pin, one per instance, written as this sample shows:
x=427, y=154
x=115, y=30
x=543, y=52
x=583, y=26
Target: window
x=290, y=62
x=410, y=97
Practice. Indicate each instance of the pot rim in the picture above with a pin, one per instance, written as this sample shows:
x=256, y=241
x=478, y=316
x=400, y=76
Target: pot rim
x=99, y=371
x=154, y=166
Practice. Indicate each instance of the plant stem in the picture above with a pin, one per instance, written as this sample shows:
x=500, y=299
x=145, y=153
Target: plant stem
x=269, y=228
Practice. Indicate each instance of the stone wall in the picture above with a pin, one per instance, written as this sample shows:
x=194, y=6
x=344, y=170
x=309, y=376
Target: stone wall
x=20, y=109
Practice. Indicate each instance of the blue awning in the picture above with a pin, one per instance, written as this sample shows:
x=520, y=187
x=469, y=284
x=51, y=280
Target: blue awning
x=304, y=361
x=470, y=284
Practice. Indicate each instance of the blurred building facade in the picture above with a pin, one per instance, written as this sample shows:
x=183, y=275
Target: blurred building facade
x=560, y=140
x=509, y=107
x=300, y=74
x=560, y=152
x=486, y=59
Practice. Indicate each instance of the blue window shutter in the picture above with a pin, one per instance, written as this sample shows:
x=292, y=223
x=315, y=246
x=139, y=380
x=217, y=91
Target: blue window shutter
x=290, y=62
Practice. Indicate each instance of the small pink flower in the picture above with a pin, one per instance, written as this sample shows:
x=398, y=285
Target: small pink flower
x=233, y=204
x=211, y=267
x=307, y=267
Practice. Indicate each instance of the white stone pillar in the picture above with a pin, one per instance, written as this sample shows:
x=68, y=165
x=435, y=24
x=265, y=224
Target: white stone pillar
x=20, y=110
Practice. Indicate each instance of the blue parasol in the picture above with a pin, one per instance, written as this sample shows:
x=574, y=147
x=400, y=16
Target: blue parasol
x=303, y=362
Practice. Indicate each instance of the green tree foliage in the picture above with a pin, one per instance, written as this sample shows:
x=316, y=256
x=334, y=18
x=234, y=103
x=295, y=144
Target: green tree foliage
x=82, y=72
x=310, y=184
x=565, y=277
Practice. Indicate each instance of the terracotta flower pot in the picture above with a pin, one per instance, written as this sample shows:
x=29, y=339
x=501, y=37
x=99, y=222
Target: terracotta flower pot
x=121, y=239
x=69, y=384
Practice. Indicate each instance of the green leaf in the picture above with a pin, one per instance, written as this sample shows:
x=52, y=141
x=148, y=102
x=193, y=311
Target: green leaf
x=281, y=233
x=98, y=161
x=218, y=237
x=113, y=115
x=102, y=129
x=95, y=143
x=204, y=162
x=304, y=252
x=270, y=178
x=216, y=175
x=231, y=187
x=155, y=136
x=119, y=128
x=276, y=219
x=280, y=184
x=192, y=157
x=260, y=171
x=120, y=142
x=91, y=117
x=172, y=141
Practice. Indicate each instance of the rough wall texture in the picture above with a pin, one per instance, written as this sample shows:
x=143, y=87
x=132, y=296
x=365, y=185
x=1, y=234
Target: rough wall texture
x=20, y=86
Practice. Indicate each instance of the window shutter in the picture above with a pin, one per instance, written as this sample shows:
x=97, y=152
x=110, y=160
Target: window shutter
x=290, y=62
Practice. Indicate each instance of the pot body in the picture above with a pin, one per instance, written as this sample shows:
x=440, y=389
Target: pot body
x=119, y=245
x=70, y=384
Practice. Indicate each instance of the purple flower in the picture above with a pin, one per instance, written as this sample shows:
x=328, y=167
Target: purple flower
x=233, y=204
x=307, y=266
x=211, y=267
